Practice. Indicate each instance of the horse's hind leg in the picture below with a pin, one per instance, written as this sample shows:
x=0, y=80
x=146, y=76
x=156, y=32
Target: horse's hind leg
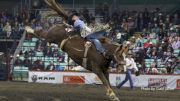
x=109, y=90
x=104, y=80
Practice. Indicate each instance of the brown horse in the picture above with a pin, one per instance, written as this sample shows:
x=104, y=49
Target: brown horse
x=74, y=46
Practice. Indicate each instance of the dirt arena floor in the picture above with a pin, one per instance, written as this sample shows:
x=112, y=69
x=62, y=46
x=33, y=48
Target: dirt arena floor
x=22, y=91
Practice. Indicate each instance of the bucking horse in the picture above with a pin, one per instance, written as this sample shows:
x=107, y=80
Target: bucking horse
x=81, y=51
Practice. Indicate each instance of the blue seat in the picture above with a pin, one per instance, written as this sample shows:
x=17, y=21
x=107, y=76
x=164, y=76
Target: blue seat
x=59, y=67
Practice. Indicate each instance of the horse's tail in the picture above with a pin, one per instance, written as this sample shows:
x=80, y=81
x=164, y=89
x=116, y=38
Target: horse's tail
x=28, y=29
x=38, y=33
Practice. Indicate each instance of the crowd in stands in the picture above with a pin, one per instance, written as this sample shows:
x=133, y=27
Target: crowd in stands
x=155, y=37
x=41, y=57
x=11, y=27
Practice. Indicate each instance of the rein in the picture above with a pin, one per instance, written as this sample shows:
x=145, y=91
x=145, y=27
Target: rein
x=65, y=40
x=87, y=46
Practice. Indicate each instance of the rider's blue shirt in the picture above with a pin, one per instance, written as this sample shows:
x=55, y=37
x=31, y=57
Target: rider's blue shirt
x=79, y=24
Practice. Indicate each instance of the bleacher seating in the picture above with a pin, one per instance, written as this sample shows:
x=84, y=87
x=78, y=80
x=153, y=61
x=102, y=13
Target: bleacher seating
x=21, y=72
x=176, y=52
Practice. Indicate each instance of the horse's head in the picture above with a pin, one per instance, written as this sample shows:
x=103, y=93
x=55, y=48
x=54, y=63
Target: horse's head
x=120, y=54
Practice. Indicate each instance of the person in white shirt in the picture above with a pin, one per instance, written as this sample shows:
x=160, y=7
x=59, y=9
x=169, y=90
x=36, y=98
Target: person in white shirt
x=7, y=28
x=128, y=68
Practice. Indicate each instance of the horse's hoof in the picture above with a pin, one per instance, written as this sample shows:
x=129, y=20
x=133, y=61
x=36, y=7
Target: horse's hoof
x=115, y=99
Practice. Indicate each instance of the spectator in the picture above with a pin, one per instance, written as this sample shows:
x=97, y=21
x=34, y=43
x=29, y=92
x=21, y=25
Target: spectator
x=147, y=44
x=138, y=46
x=155, y=32
x=85, y=14
x=38, y=26
x=4, y=17
x=21, y=27
x=51, y=66
x=139, y=22
x=124, y=25
x=176, y=19
x=153, y=53
x=130, y=26
x=91, y=17
x=56, y=52
x=38, y=45
x=159, y=53
x=145, y=17
x=163, y=71
x=176, y=43
x=176, y=66
x=16, y=29
x=26, y=54
x=49, y=52
x=27, y=62
x=62, y=58
x=152, y=69
x=38, y=65
x=18, y=61
x=32, y=52
x=162, y=34
x=7, y=29
x=169, y=65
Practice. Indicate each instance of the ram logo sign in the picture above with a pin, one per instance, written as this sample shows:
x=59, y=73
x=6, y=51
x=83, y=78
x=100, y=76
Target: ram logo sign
x=35, y=78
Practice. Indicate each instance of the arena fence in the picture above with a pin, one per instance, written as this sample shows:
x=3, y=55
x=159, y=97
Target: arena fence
x=160, y=82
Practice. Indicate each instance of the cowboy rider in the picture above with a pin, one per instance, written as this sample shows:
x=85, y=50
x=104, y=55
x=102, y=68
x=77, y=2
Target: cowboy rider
x=87, y=33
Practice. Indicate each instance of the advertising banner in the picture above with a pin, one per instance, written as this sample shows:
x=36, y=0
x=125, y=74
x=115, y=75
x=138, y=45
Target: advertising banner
x=44, y=77
x=74, y=79
x=144, y=81
x=148, y=81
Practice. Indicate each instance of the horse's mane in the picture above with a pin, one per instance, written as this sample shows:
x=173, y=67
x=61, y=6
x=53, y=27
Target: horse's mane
x=56, y=25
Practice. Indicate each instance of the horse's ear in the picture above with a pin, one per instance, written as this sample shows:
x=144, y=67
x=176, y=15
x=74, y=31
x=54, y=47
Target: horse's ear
x=119, y=49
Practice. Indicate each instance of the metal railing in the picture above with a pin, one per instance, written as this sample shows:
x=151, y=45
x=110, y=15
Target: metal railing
x=17, y=50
